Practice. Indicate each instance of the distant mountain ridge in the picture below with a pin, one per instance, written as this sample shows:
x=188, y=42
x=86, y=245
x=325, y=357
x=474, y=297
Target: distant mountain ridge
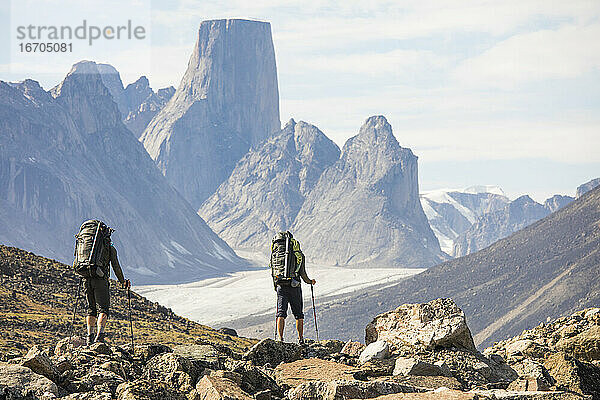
x=137, y=102
x=365, y=208
x=65, y=156
x=451, y=212
x=546, y=270
x=268, y=186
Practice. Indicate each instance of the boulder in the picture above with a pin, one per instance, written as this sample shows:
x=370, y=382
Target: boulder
x=585, y=345
x=254, y=379
x=218, y=388
x=101, y=380
x=202, y=355
x=268, y=351
x=376, y=350
x=17, y=381
x=413, y=366
x=429, y=382
x=173, y=369
x=67, y=345
x=439, y=323
x=352, y=349
x=322, y=348
x=529, y=385
x=441, y=393
x=228, y=331
x=347, y=389
x=40, y=363
x=147, y=351
x=312, y=369
x=100, y=348
x=574, y=375
x=143, y=389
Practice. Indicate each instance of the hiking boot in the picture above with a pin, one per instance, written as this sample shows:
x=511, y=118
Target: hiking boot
x=279, y=339
x=90, y=339
x=301, y=342
x=99, y=338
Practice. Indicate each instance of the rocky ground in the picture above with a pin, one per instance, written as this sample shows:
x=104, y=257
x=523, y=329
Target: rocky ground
x=418, y=351
x=36, y=307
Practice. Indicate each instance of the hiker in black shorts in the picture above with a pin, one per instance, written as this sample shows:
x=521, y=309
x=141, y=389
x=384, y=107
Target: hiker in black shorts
x=287, y=267
x=98, y=297
x=94, y=254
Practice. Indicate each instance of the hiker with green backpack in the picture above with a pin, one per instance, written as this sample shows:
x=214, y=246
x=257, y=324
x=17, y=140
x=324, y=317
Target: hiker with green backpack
x=287, y=267
x=94, y=254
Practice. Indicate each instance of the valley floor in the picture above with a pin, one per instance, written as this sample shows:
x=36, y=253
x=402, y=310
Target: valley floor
x=248, y=296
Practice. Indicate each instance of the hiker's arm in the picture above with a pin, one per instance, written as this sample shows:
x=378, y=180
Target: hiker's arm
x=114, y=261
x=302, y=262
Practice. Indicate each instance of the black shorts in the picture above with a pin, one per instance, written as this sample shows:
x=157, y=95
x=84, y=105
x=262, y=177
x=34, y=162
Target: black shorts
x=292, y=296
x=98, y=296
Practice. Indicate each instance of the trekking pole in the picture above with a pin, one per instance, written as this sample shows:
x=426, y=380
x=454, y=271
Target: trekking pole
x=130, y=323
x=312, y=295
x=75, y=310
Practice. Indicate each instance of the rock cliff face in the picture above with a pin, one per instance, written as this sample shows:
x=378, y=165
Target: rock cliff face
x=137, y=102
x=365, y=208
x=227, y=101
x=496, y=225
x=452, y=212
x=65, y=156
x=586, y=187
x=268, y=186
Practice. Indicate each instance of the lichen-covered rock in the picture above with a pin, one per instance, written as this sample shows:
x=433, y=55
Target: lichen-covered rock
x=67, y=345
x=218, y=388
x=375, y=351
x=179, y=371
x=313, y=369
x=18, y=382
x=147, y=351
x=268, y=351
x=347, y=389
x=352, y=349
x=254, y=379
x=439, y=323
x=202, y=355
x=40, y=363
x=143, y=389
x=413, y=366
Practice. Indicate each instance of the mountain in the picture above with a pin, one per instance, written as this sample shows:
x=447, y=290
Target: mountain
x=65, y=156
x=498, y=224
x=137, y=102
x=586, y=187
x=227, y=101
x=557, y=202
x=546, y=270
x=452, y=212
x=268, y=186
x=365, y=208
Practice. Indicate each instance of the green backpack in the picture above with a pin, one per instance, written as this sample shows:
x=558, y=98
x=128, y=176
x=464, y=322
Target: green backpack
x=92, y=245
x=284, y=265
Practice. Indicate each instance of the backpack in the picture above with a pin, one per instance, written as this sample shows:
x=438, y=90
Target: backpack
x=284, y=265
x=92, y=244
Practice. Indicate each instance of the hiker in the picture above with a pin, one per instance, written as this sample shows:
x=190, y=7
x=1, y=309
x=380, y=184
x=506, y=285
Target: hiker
x=94, y=254
x=287, y=267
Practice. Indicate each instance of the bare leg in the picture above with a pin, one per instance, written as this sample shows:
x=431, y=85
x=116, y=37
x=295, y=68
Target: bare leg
x=102, y=319
x=300, y=328
x=280, y=327
x=91, y=322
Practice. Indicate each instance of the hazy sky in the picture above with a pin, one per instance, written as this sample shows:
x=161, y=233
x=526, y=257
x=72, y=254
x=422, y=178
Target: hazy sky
x=493, y=92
